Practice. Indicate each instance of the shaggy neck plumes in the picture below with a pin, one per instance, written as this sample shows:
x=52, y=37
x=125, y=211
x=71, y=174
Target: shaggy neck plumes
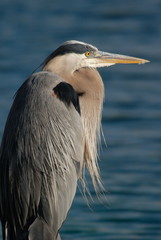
x=91, y=101
x=88, y=83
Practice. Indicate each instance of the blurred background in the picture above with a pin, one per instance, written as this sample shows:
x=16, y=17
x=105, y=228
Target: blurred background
x=131, y=162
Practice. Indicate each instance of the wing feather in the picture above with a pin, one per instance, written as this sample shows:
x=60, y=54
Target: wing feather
x=41, y=156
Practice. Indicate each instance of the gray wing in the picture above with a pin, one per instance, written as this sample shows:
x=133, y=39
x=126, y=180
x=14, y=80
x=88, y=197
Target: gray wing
x=40, y=158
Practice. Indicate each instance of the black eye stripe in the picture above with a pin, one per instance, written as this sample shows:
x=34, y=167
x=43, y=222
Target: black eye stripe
x=73, y=48
x=69, y=48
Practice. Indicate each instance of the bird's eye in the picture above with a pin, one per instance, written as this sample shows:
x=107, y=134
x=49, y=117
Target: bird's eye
x=87, y=54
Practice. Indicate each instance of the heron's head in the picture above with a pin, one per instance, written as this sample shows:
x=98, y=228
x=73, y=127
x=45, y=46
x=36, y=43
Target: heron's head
x=73, y=55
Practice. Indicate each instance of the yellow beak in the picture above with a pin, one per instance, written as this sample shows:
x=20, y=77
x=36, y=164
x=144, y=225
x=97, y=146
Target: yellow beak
x=110, y=58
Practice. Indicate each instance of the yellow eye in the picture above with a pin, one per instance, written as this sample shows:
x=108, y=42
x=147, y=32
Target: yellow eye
x=87, y=54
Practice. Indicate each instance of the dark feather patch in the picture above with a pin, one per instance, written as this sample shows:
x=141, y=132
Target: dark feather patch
x=66, y=93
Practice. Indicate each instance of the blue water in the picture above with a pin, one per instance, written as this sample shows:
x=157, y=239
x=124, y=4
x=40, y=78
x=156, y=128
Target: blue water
x=131, y=162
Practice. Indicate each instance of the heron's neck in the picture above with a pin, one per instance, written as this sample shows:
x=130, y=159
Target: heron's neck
x=88, y=82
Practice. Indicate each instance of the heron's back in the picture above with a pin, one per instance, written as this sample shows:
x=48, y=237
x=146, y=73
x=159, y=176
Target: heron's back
x=41, y=158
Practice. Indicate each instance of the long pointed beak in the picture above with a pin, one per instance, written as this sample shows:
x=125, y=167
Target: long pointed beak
x=110, y=59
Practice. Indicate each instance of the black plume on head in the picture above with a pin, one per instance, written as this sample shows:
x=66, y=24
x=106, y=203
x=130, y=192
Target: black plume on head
x=70, y=47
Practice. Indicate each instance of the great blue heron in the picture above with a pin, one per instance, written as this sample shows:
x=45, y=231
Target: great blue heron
x=51, y=134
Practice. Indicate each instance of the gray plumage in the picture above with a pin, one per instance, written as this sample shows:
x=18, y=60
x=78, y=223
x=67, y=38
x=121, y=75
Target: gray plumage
x=41, y=159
